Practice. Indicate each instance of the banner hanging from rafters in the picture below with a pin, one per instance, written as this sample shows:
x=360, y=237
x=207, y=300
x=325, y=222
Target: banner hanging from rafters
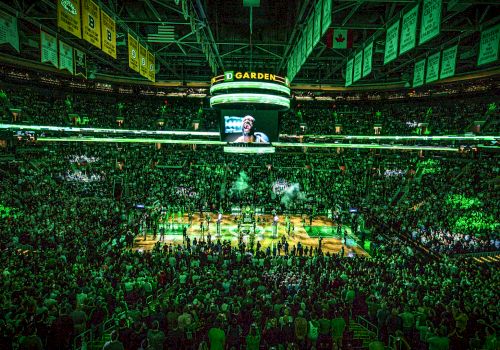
x=133, y=53
x=367, y=59
x=143, y=61
x=419, y=73
x=108, y=34
x=391, y=42
x=327, y=16
x=310, y=35
x=448, y=62
x=358, y=66
x=488, y=47
x=151, y=66
x=348, y=72
x=80, y=60
x=69, y=16
x=66, y=57
x=431, y=20
x=432, y=73
x=409, y=30
x=48, y=46
x=317, y=21
x=91, y=18
x=8, y=30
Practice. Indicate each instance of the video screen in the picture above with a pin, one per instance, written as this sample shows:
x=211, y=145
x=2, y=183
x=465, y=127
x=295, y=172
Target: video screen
x=249, y=126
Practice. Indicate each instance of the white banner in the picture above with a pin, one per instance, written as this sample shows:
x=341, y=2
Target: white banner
x=419, y=73
x=8, y=30
x=488, y=48
x=367, y=59
x=327, y=16
x=431, y=20
x=448, y=62
x=348, y=72
x=433, y=67
x=358, y=66
x=391, y=42
x=408, y=31
x=48, y=48
x=66, y=57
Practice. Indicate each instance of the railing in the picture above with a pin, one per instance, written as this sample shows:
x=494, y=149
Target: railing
x=81, y=340
x=478, y=254
x=363, y=322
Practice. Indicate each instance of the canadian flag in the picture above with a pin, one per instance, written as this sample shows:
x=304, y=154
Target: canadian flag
x=339, y=38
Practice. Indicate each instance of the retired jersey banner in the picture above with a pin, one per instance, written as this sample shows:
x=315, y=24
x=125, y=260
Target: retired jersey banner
x=488, y=47
x=367, y=59
x=48, y=46
x=66, y=57
x=8, y=30
x=303, y=43
x=91, y=18
x=358, y=66
x=448, y=62
x=68, y=16
x=151, y=66
x=108, y=34
x=80, y=63
x=327, y=16
x=317, y=21
x=433, y=67
x=348, y=72
x=310, y=35
x=419, y=73
x=391, y=42
x=431, y=20
x=408, y=31
x=133, y=53
x=143, y=61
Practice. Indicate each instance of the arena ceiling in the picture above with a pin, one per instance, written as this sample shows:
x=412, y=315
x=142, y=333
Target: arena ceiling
x=258, y=38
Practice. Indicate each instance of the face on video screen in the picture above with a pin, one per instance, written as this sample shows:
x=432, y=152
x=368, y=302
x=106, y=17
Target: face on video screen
x=241, y=126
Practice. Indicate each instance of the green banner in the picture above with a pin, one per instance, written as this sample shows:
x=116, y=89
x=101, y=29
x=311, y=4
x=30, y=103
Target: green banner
x=304, y=49
x=408, y=31
x=448, y=62
x=66, y=57
x=358, y=66
x=8, y=30
x=488, y=47
x=327, y=16
x=80, y=63
x=418, y=73
x=348, y=72
x=431, y=20
x=317, y=21
x=432, y=73
x=367, y=59
x=310, y=35
x=48, y=44
x=391, y=42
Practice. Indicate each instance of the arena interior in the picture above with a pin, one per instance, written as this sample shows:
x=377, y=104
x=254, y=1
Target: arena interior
x=249, y=174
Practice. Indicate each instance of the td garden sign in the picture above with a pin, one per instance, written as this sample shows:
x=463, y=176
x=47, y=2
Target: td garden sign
x=249, y=76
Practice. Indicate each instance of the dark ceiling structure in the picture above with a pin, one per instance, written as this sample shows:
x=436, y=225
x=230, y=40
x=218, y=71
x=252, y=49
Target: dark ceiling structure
x=260, y=38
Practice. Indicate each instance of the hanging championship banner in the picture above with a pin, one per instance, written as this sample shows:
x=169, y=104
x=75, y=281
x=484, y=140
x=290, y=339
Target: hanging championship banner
x=8, y=30
x=327, y=16
x=358, y=66
x=151, y=67
x=80, y=63
x=304, y=49
x=48, y=47
x=488, y=47
x=310, y=35
x=133, y=53
x=143, y=61
x=419, y=73
x=408, y=31
x=448, y=62
x=391, y=42
x=66, y=57
x=432, y=67
x=68, y=16
x=317, y=22
x=367, y=59
x=431, y=20
x=348, y=72
x=91, y=18
x=108, y=34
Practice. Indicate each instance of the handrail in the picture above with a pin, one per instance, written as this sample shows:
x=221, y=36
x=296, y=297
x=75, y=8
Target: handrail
x=368, y=325
x=82, y=340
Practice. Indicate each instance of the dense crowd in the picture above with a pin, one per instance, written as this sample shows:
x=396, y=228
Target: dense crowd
x=65, y=268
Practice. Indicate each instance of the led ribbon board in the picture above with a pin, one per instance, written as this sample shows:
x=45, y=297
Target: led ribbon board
x=250, y=85
x=250, y=98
